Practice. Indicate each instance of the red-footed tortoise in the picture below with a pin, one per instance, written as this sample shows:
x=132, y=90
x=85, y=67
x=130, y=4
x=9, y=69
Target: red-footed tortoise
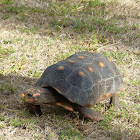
x=76, y=84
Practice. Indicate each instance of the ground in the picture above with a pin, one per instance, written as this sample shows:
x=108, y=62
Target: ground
x=38, y=33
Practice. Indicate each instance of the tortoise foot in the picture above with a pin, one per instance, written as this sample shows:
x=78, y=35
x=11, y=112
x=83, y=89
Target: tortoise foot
x=34, y=109
x=90, y=114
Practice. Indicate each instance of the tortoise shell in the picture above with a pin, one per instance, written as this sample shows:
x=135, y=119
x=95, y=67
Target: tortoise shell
x=83, y=78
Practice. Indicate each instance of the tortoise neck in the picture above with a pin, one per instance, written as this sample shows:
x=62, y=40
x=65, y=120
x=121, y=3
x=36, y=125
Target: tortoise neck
x=47, y=96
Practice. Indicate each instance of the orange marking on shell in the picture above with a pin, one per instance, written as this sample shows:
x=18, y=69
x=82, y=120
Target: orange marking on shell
x=101, y=64
x=81, y=73
x=81, y=57
x=61, y=68
x=90, y=69
x=71, y=61
x=38, y=94
x=109, y=59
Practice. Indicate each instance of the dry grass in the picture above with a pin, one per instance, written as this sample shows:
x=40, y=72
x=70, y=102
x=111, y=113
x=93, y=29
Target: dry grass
x=31, y=40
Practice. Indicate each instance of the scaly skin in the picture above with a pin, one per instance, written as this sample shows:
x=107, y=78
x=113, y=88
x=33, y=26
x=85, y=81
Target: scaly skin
x=90, y=114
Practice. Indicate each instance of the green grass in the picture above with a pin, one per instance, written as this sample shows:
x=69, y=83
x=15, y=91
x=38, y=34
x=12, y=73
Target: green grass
x=29, y=30
x=68, y=130
x=138, y=34
x=8, y=2
x=86, y=22
x=117, y=134
x=69, y=134
x=35, y=73
x=22, y=9
x=1, y=117
x=18, y=122
x=6, y=16
x=65, y=15
x=6, y=51
x=135, y=82
x=72, y=50
x=122, y=103
x=8, y=87
x=15, y=123
x=20, y=13
x=1, y=137
x=119, y=57
x=122, y=94
x=26, y=113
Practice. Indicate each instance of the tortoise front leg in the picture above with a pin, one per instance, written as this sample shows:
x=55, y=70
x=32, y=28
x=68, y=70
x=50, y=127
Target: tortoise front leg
x=34, y=109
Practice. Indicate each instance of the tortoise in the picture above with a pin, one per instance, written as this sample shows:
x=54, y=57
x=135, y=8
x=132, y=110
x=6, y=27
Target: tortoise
x=76, y=84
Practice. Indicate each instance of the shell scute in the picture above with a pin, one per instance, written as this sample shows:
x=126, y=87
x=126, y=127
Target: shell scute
x=62, y=86
x=94, y=76
x=109, y=85
x=103, y=68
x=60, y=72
x=79, y=79
x=72, y=92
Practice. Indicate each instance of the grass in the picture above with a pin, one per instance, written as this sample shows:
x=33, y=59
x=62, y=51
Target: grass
x=6, y=51
x=8, y=88
x=2, y=118
x=36, y=35
x=66, y=15
x=17, y=122
x=135, y=82
x=29, y=30
x=119, y=57
x=68, y=134
x=72, y=49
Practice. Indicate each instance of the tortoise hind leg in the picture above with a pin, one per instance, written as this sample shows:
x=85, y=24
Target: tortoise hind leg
x=90, y=114
x=115, y=100
x=85, y=111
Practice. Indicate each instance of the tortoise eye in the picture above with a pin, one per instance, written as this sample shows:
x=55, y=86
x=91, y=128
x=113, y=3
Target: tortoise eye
x=29, y=94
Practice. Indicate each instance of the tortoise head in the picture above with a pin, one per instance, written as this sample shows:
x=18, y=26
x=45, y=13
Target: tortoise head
x=33, y=95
